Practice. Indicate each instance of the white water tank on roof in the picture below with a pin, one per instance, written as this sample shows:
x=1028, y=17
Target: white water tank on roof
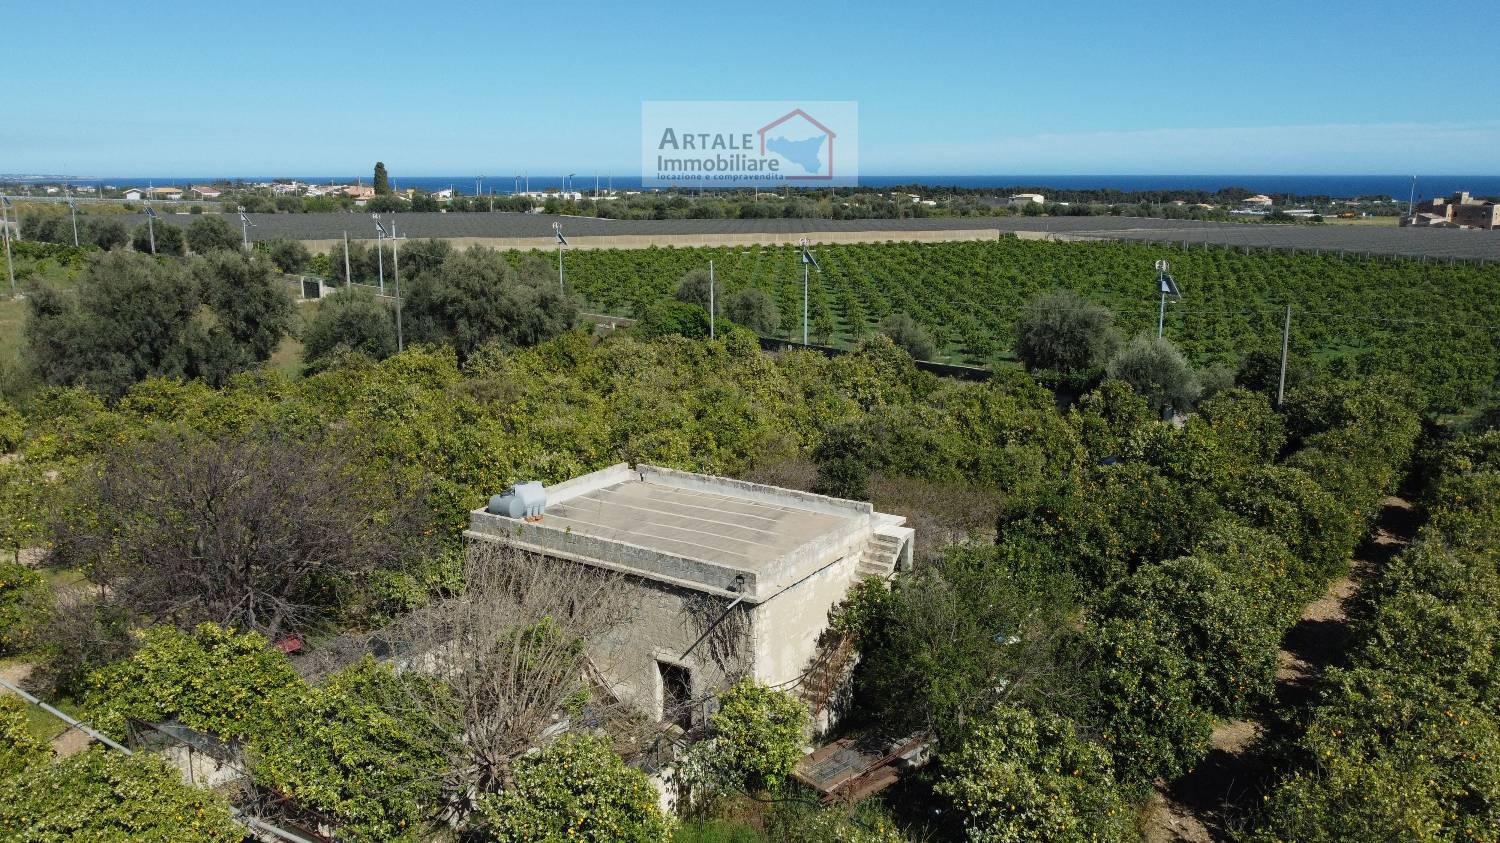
x=523, y=500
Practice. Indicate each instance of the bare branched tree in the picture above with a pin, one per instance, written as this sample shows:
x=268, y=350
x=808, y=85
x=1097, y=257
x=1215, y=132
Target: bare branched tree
x=256, y=530
x=514, y=649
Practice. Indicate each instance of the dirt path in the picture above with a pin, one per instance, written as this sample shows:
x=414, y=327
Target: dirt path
x=1201, y=806
x=67, y=742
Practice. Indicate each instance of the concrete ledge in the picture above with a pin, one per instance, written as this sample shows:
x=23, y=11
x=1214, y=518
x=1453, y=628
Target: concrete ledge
x=759, y=493
x=610, y=566
x=591, y=482
x=624, y=556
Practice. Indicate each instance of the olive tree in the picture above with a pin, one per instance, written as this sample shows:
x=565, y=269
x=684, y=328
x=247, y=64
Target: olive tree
x=289, y=256
x=475, y=297
x=693, y=288
x=168, y=238
x=130, y=319
x=350, y=318
x=210, y=234
x=106, y=233
x=252, y=312
x=909, y=336
x=755, y=310
x=1158, y=371
x=1065, y=332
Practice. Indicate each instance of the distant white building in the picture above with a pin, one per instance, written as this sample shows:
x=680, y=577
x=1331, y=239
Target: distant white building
x=1259, y=200
x=134, y=194
x=206, y=192
x=1021, y=199
x=443, y=195
x=544, y=195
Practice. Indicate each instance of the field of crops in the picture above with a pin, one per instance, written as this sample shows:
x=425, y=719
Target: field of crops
x=1439, y=322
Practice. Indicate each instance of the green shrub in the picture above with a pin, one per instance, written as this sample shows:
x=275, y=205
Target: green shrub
x=960, y=631
x=1140, y=701
x=1021, y=777
x=100, y=794
x=12, y=428
x=22, y=591
x=19, y=748
x=1227, y=640
x=757, y=735
x=672, y=316
x=352, y=749
x=798, y=822
x=1394, y=757
x=575, y=789
x=216, y=680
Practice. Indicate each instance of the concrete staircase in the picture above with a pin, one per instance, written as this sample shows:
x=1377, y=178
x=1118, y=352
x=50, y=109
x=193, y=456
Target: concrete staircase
x=880, y=556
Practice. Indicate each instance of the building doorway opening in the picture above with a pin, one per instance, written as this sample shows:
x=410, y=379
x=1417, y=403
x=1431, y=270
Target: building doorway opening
x=676, y=694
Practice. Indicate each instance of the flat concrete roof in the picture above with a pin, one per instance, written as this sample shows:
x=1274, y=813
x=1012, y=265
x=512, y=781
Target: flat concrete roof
x=708, y=533
x=696, y=524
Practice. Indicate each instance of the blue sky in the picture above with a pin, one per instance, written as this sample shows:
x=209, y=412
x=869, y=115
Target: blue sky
x=169, y=88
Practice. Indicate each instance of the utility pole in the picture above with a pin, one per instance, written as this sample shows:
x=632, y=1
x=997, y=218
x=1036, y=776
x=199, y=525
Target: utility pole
x=561, y=242
x=396, y=269
x=73, y=209
x=10, y=266
x=710, y=299
x=1286, y=337
x=151, y=226
x=1411, y=203
x=245, y=224
x=1167, y=286
x=807, y=260
x=379, y=251
x=348, y=279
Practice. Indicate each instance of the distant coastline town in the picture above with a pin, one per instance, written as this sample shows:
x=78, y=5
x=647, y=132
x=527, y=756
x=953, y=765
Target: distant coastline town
x=595, y=198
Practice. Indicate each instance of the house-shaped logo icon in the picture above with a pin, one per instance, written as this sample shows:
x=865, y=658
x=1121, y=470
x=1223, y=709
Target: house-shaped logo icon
x=803, y=149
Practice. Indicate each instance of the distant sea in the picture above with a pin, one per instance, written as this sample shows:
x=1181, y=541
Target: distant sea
x=1395, y=186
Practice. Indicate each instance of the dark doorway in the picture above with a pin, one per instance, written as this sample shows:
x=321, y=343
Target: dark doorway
x=676, y=694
